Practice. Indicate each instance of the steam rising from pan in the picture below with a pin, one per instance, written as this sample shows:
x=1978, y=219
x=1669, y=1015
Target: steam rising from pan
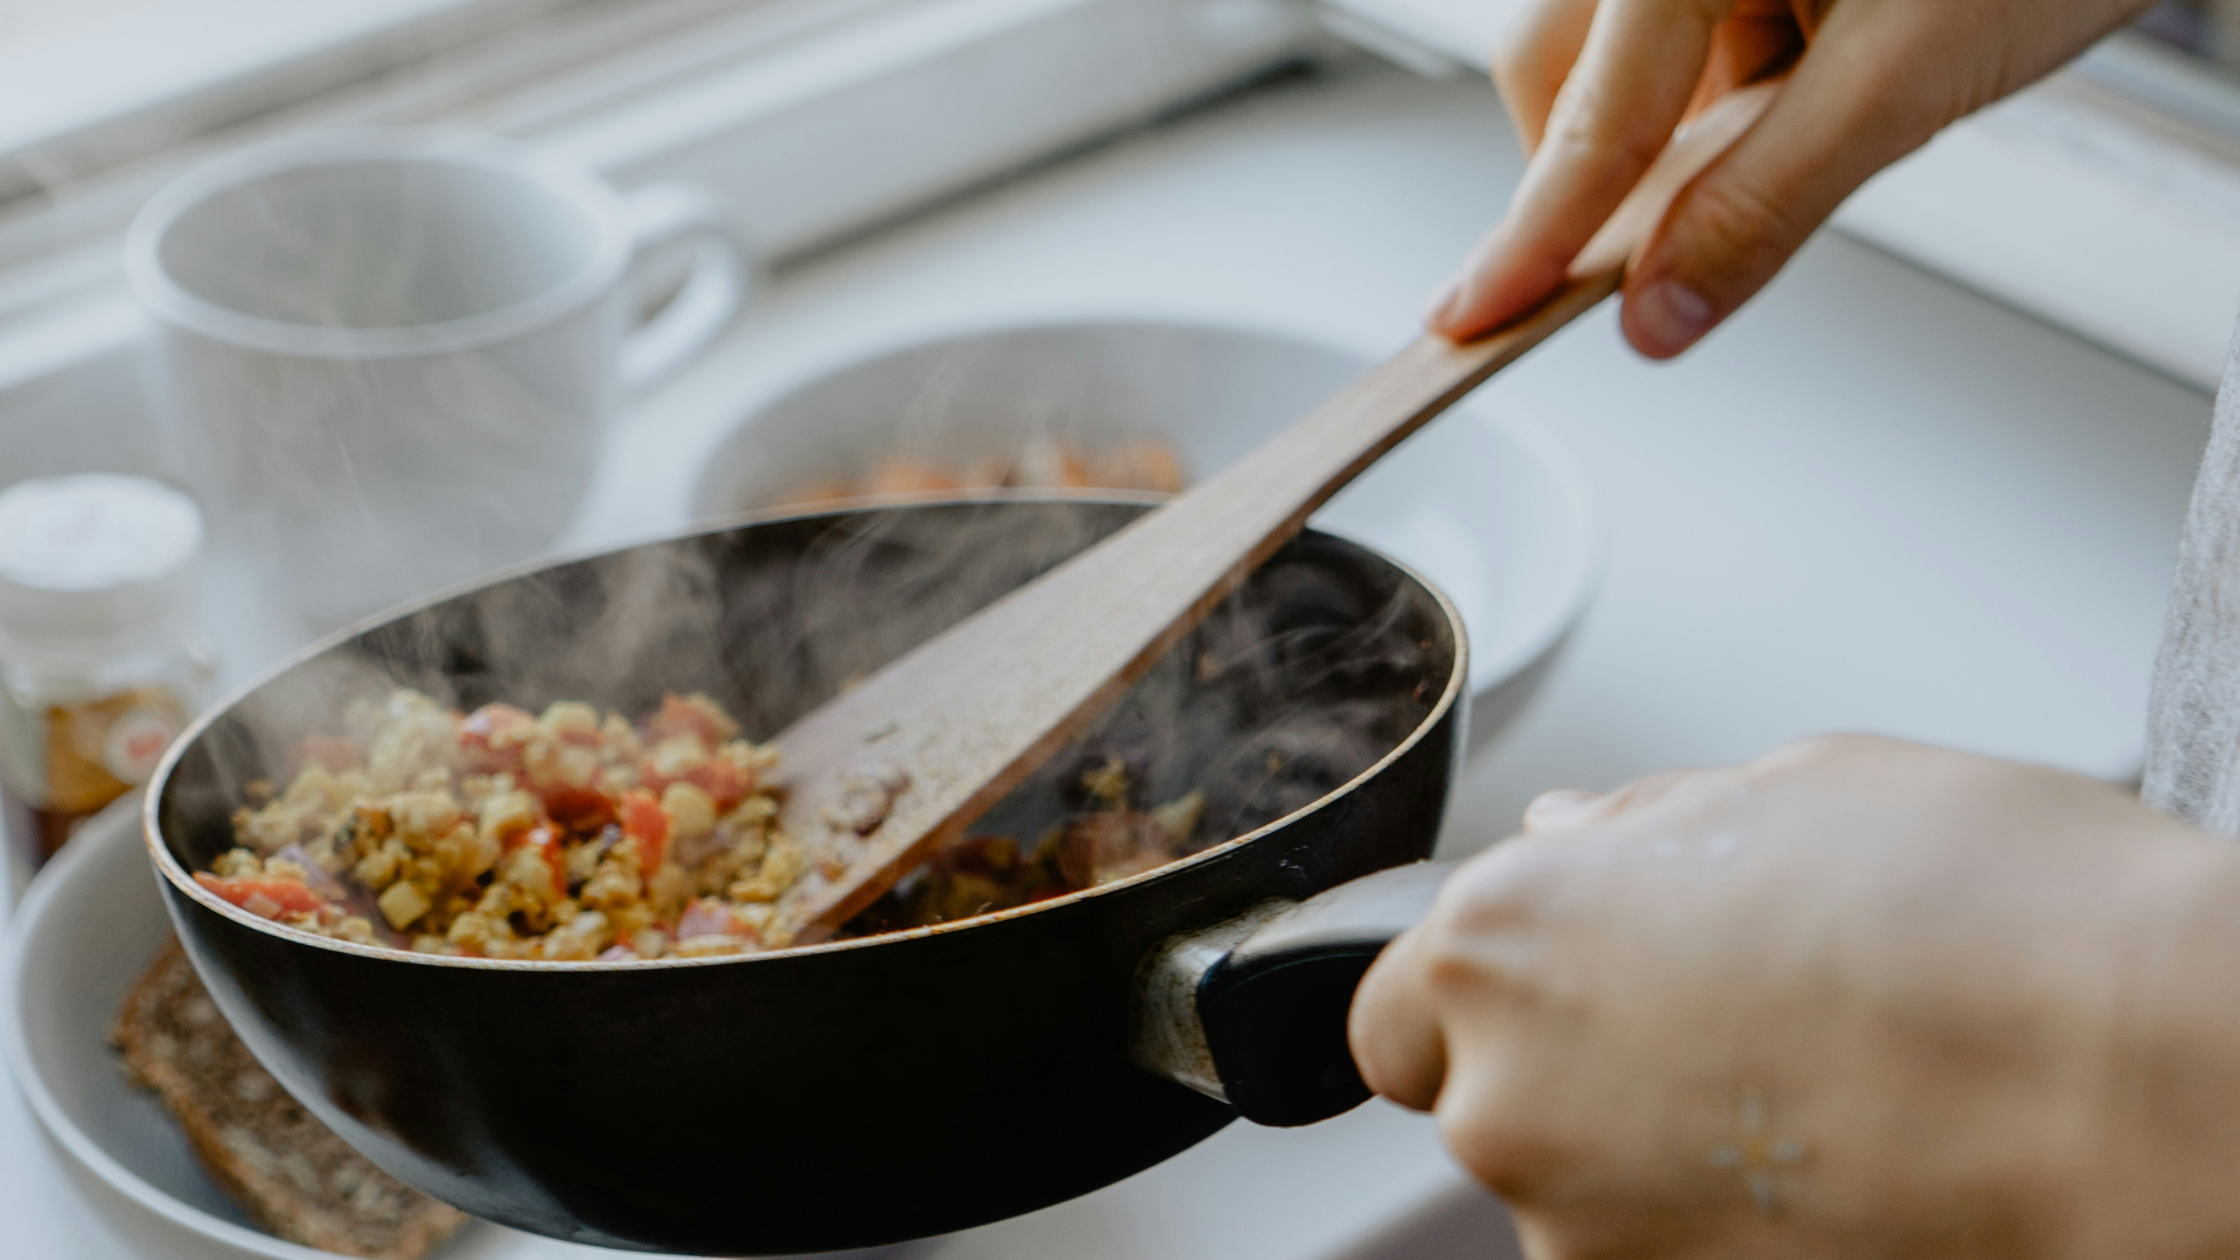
x=1497, y=512
x=1290, y=689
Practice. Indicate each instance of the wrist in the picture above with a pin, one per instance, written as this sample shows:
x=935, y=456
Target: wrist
x=2160, y=1120
x=2067, y=1073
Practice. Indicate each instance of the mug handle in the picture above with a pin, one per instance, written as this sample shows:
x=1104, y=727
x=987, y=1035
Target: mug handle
x=721, y=279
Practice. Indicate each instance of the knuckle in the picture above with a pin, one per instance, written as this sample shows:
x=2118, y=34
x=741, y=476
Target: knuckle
x=1823, y=750
x=1463, y=953
x=1534, y=53
x=1487, y=947
x=1496, y=891
x=1512, y=1155
x=1584, y=122
x=1447, y=972
x=1736, y=221
x=1467, y=963
x=1829, y=747
x=1887, y=79
x=1648, y=790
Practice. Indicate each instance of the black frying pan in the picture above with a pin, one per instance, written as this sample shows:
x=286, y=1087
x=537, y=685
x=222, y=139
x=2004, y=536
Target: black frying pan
x=891, y=1086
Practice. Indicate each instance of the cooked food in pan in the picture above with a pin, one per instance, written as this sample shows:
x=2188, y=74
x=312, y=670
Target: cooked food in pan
x=572, y=835
x=499, y=833
x=1318, y=711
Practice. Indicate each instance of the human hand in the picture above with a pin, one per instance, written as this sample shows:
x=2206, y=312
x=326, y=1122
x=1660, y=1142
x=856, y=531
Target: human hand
x=1597, y=87
x=1857, y=998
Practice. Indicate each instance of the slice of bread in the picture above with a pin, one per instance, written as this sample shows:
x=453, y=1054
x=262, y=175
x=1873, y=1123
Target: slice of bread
x=290, y=1173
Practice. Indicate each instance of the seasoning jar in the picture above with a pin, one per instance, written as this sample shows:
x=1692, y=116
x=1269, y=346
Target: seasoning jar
x=102, y=657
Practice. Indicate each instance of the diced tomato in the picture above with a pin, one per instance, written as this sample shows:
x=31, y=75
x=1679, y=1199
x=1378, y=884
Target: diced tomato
x=545, y=838
x=724, y=782
x=491, y=737
x=703, y=917
x=679, y=716
x=289, y=896
x=328, y=752
x=643, y=820
x=579, y=809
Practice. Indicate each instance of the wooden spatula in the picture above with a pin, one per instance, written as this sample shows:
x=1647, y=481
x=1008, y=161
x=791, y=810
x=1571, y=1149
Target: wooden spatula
x=881, y=777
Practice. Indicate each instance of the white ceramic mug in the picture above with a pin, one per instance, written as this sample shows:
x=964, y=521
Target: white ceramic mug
x=390, y=353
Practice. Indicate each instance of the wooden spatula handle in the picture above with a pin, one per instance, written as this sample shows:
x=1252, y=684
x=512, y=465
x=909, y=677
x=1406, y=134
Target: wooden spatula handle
x=885, y=774
x=1278, y=486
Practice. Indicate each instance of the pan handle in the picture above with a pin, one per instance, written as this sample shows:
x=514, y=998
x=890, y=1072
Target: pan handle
x=1253, y=1010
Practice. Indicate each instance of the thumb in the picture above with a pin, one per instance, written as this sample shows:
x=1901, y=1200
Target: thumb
x=1849, y=109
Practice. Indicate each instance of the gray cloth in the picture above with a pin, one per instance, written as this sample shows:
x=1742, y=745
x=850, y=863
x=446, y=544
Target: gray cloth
x=2193, y=716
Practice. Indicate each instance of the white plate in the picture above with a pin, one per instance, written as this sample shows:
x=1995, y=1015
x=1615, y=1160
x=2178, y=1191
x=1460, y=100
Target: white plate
x=1492, y=508
x=88, y=926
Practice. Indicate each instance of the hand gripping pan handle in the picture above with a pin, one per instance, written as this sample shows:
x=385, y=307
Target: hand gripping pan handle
x=1253, y=1010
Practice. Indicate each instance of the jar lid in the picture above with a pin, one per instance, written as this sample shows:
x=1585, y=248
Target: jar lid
x=95, y=565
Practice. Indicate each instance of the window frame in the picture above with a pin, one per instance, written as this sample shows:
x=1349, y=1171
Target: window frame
x=83, y=98
x=812, y=115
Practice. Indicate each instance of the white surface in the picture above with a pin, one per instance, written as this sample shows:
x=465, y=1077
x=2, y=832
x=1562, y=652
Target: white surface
x=1494, y=511
x=1465, y=30
x=2077, y=214
x=2083, y=217
x=110, y=89
x=73, y=79
x=1874, y=501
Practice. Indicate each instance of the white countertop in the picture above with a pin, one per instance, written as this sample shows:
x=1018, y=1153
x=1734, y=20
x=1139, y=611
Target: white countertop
x=1875, y=502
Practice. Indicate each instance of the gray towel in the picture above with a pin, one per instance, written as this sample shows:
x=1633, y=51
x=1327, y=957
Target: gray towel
x=2193, y=715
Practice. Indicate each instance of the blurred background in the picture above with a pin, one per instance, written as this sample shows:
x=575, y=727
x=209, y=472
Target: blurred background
x=1928, y=484
x=2202, y=27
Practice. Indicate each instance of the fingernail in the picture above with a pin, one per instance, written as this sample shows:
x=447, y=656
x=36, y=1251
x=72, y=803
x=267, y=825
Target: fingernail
x=1668, y=317
x=1441, y=309
x=1554, y=809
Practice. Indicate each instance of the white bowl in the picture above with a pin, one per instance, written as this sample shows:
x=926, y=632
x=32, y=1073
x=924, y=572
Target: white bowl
x=88, y=926
x=1488, y=505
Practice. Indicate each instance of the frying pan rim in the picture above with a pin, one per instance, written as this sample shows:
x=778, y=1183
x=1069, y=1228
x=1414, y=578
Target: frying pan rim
x=168, y=866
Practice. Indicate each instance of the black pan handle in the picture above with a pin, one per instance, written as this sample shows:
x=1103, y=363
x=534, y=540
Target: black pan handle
x=1253, y=1010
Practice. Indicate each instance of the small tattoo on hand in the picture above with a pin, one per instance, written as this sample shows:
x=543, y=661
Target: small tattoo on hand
x=1759, y=1156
